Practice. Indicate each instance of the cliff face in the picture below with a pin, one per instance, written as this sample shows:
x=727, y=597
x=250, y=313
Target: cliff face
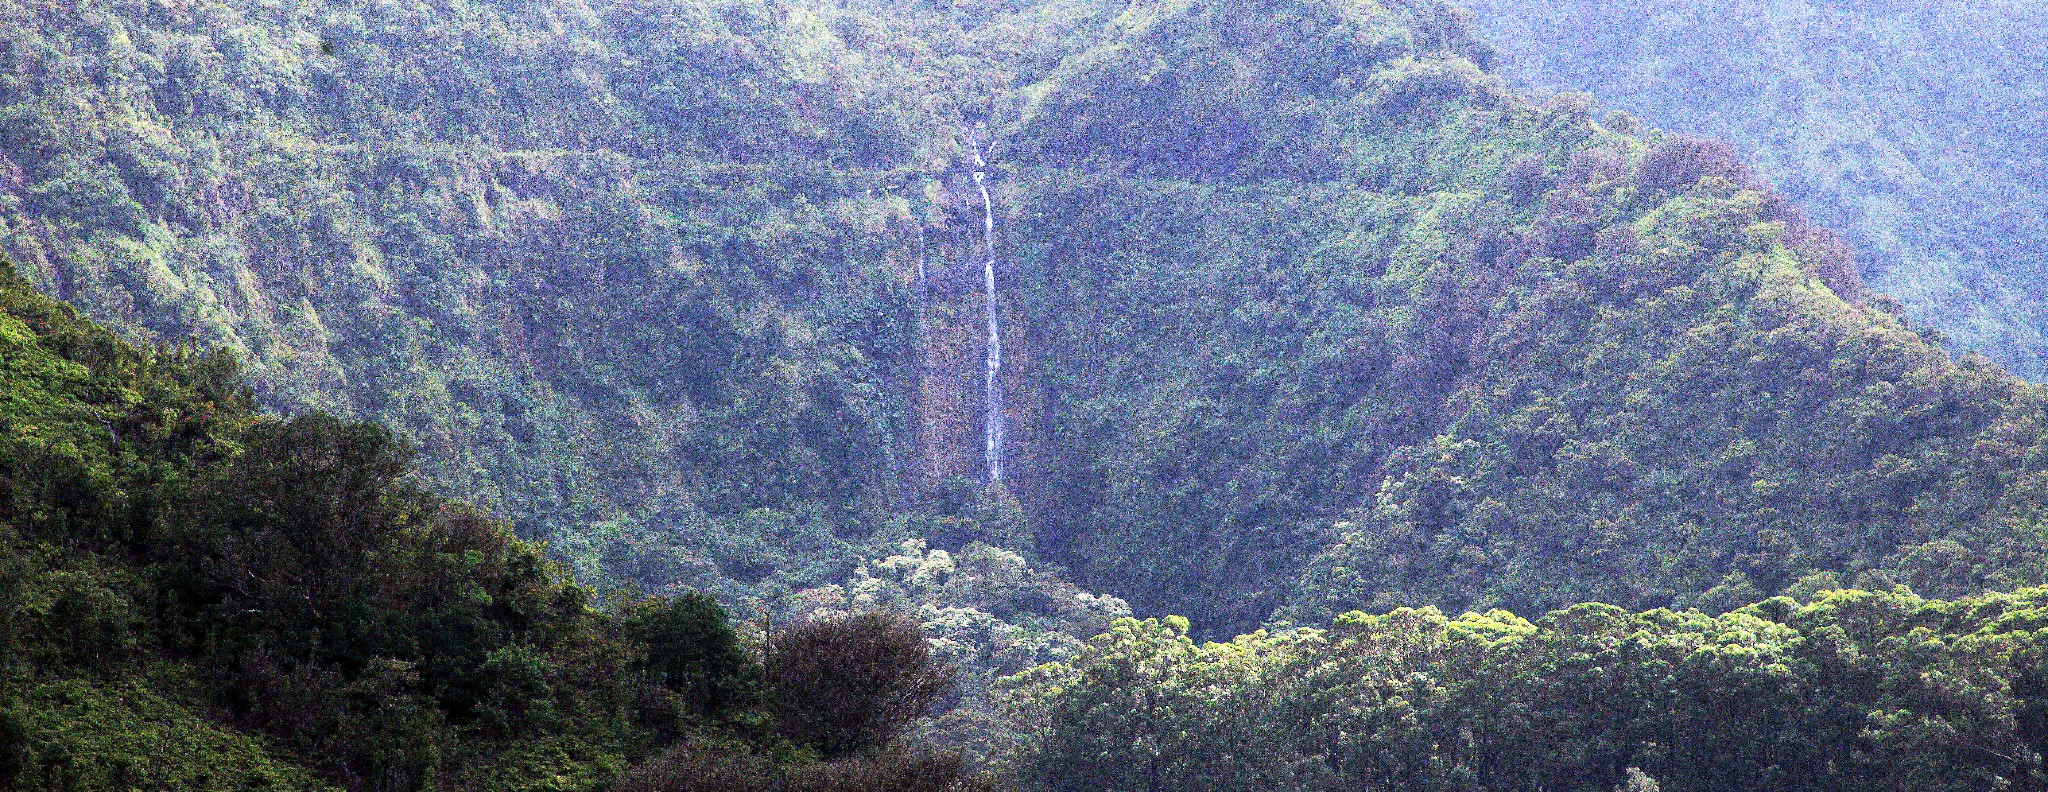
x=622, y=270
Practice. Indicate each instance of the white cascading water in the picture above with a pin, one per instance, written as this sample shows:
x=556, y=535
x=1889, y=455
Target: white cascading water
x=992, y=399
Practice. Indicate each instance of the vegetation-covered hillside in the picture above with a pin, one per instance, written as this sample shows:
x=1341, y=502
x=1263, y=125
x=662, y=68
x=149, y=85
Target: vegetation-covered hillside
x=626, y=271
x=1913, y=126
x=1304, y=309
x=1357, y=326
x=1308, y=320
x=197, y=597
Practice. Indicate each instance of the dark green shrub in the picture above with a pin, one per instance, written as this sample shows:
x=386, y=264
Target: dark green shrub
x=851, y=684
x=1527, y=179
x=1678, y=162
x=701, y=767
x=13, y=744
x=693, y=652
x=895, y=771
x=717, y=767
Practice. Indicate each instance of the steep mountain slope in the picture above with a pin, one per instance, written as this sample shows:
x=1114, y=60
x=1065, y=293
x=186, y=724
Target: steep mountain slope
x=197, y=597
x=1911, y=125
x=94, y=433
x=1311, y=290
x=627, y=271
x=1303, y=308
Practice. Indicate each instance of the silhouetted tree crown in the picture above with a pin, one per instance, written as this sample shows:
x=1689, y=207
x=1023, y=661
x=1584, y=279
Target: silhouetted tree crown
x=852, y=684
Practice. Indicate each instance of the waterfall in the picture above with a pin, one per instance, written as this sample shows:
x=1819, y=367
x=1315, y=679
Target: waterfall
x=992, y=399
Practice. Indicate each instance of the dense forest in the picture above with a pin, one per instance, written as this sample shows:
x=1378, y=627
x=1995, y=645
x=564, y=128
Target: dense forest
x=748, y=395
x=1912, y=126
x=1845, y=690
x=1407, y=339
x=200, y=597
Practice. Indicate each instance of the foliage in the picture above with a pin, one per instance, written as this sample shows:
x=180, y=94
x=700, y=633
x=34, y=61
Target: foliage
x=988, y=612
x=1850, y=690
x=691, y=767
x=201, y=597
x=89, y=734
x=1433, y=344
x=1911, y=126
x=1308, y=312
x=852, y=684
x=698, y=769
x=693, y=651
x=621, y=270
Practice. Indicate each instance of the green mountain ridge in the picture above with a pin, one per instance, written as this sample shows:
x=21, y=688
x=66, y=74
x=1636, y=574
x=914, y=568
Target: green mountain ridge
x=1448, y=347
x=1306, y=313
x=1910, y=126
x=576, y=309
x=1308, y=309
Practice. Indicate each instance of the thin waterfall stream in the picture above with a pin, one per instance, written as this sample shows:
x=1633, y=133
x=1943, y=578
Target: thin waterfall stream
x=992, y=399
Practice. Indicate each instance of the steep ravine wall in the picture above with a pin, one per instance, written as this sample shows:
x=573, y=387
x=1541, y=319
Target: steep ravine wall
x=949, y=407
